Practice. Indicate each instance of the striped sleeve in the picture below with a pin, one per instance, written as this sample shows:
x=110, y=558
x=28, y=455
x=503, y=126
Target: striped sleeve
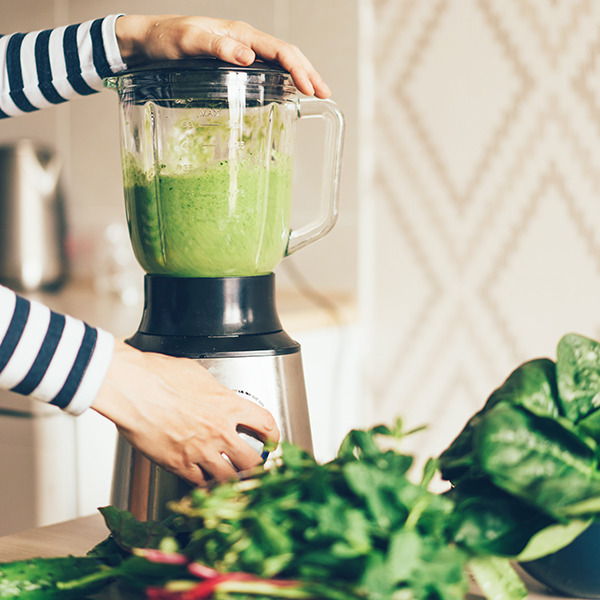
x=43, y=68
x=51, y=357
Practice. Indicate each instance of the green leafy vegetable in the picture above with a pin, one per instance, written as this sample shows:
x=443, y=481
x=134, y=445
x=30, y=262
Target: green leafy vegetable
x=42, y=578
x=356, y=524
x=552, y=539
x=496, y=578
x=578, y=374
x=525, y=482
x=490, y=521
x=527, y=463
x=129, y=533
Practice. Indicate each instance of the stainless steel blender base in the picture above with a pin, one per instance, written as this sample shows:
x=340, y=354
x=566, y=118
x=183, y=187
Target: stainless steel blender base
x=276, y=382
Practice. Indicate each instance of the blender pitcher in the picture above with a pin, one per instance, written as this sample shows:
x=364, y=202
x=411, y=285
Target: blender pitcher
x=207, y=154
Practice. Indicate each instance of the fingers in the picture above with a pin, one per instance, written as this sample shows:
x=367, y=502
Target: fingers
x=199, y=474
x=258, y=420
x=179, y=416
x=214, y=468
x=211, y=466
x=230, y=50
x=171, y=37
x=305, y=76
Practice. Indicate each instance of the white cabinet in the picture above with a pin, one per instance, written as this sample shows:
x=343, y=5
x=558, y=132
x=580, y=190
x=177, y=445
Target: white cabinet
x=37, y=469
x=53, y=467
x=18, y=491
x=332, y=372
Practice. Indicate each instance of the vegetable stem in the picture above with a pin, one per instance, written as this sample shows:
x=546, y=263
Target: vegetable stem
x=83, y=582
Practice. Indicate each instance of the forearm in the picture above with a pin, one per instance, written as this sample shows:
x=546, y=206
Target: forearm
x=43, y=68
x=50, y=357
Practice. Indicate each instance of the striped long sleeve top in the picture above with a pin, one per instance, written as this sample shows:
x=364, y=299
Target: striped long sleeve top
x=45, y=355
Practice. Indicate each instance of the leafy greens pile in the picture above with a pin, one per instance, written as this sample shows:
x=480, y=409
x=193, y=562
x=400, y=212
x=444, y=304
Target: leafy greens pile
x=525, y=482
x=355, y=527
x=525, y=468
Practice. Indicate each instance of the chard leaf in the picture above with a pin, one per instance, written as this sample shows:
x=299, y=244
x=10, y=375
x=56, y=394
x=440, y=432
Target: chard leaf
x=378, y=579
x=138, y=572
x=440, y=572
x=429, y=471
x=370, y=484
x=360, y=444
x=496, y=578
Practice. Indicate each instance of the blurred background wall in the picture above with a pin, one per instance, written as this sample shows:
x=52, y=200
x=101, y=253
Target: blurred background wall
x=485, y=207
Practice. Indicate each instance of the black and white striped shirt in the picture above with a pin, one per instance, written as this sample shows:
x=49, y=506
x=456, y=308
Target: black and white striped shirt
x=47, y=356
x=48, y=67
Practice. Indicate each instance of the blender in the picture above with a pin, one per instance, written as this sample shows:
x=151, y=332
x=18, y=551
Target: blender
x=207, y=155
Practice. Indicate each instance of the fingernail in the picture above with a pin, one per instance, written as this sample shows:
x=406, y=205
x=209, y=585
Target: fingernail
x=309, y=88
x=244, y=55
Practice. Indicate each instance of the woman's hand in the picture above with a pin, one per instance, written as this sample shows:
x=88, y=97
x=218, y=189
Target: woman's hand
x=144, y=38
x=179, y=416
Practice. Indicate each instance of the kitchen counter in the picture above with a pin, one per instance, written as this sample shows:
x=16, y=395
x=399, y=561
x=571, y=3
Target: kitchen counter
x=80, y=535
x=71, y=537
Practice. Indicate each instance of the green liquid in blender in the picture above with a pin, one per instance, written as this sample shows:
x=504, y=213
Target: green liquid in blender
x=225, y=220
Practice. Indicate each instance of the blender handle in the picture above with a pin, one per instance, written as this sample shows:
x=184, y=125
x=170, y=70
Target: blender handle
x=334, y=139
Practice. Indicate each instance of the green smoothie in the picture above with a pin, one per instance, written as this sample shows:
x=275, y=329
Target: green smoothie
x=224, y=220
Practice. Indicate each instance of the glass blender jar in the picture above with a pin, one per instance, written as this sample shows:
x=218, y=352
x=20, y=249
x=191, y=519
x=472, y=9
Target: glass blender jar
x=207, y=154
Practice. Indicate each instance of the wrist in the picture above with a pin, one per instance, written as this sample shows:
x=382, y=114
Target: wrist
x=131, y=31
x=112, y=400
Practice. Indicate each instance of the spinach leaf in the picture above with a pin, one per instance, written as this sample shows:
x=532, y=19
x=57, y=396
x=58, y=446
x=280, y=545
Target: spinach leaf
x=537, y=459
x=552, y=539
x=531, y=385
x=489, y=521
x=578, y=375
x=497, y=579
x=128, y=533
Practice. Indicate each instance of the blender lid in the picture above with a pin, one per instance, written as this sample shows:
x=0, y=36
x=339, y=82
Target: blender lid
x=206, y=63
x=191, y=77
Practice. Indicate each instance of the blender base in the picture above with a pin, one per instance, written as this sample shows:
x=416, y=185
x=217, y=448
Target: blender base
x=230, y=326
x=274, y=382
